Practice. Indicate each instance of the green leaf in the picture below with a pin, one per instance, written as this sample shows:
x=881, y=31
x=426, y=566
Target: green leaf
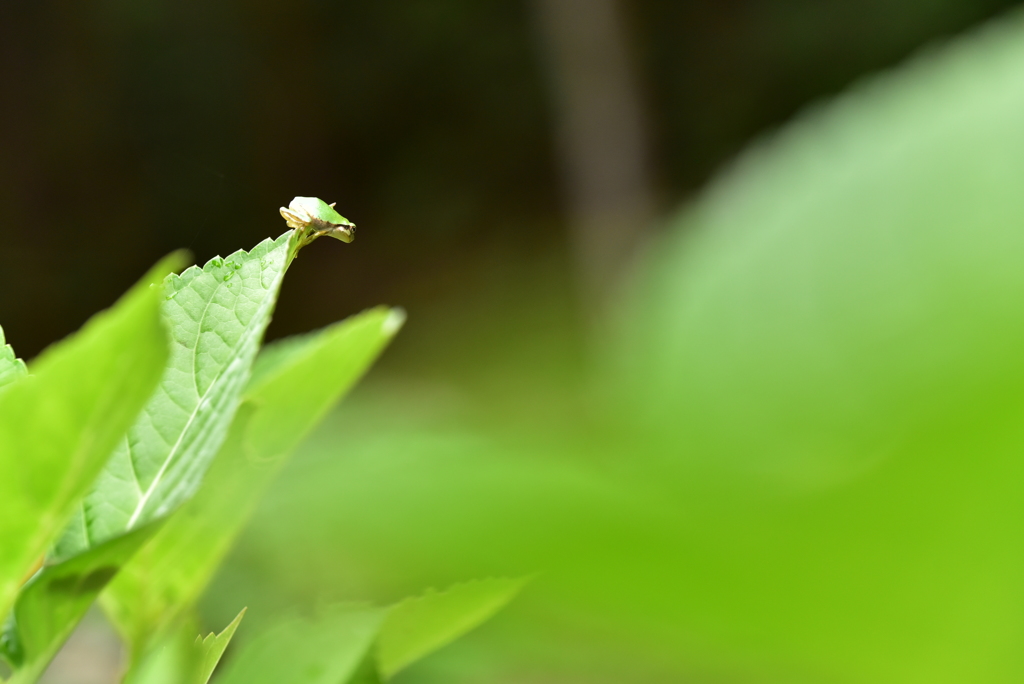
x=330, y=649
x=11, y=367
x=174, y=660
x=294, y=383
x=54, y=601
x=298, y=380
x=827, y=366
x=212, y=649
x=420, y=625
x=363, y=645
x=57, y=428
x=217, y=316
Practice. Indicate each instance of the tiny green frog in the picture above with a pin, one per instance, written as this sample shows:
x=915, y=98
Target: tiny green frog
x=312, y=217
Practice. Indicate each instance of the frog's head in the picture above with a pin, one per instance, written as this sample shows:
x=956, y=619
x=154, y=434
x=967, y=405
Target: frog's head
x=341, y=228
x=314, y=217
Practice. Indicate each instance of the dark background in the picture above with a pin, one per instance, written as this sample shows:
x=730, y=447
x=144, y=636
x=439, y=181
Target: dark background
x=129, y=128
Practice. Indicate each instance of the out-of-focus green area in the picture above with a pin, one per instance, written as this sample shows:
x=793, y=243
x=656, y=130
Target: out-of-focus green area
x=797, y=459
x=786, y=448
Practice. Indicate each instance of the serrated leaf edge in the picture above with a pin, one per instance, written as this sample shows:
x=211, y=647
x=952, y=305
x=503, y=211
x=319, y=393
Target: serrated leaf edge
x=7, y=355
x=182, y=279
x=178, y=282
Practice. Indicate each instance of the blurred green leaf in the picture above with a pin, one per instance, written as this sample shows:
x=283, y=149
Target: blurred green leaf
x=295, y=383
x=57, y=428
x=217, y=316
x=175, y=660
x=55, y=600
x=824, y=364
x=213, y=647
x=330, y=649
x=301, y=379
x=11, y=367
x=817, y=406
x=420, y=625
x=363, y=645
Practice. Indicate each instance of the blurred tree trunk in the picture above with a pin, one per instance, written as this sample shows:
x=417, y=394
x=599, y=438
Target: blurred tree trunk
x=601, y=136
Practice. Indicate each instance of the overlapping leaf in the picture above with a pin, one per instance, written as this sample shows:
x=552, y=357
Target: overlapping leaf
x=331, y=649
x=420, y=625
x=364, y=645
x=176, y=661
x=217, y=316
x=54, y=601
x=294, y=383
x=57, y=428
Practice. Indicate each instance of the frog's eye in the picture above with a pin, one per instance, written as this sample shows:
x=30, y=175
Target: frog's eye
x=346, y=233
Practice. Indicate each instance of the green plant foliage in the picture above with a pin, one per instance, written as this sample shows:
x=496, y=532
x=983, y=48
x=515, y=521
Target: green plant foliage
x=330, y=649
x=176, y=661
x=420, y=625
x=363, y=645
x=295, y=381
x=825, y=366
x=54, y=601
x=217, y=316
x=815, y=422
x=213, y=647
x=58, y=428
x=11, y=367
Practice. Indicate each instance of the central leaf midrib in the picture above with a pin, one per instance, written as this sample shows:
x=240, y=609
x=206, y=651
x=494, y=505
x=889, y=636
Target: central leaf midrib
x=255, y=320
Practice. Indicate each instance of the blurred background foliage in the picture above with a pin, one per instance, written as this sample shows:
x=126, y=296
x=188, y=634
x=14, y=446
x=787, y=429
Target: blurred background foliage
x=787, y=450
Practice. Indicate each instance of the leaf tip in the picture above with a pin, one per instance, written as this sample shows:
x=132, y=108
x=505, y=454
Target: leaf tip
x=393, y=322
x=173, y=262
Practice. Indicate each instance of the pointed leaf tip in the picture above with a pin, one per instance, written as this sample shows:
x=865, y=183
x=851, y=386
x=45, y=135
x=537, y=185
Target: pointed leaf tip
x=212, y=648
x=394, y=321
x=418, y=626
x=216, y=316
